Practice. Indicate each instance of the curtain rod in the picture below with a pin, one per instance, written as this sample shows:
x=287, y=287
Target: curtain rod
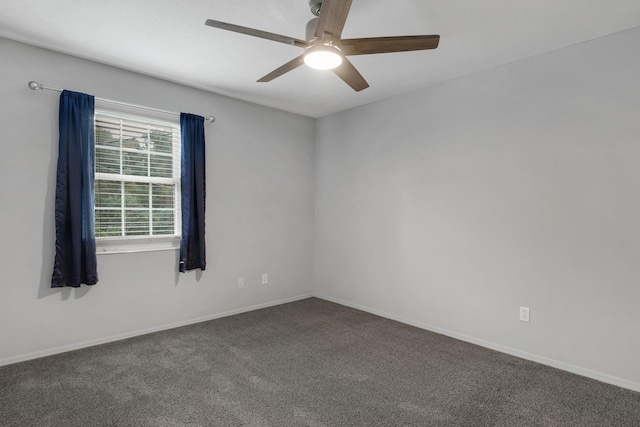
x=37, y=86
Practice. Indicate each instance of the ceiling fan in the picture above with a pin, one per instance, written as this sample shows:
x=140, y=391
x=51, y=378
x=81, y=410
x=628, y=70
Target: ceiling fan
x=324, y=49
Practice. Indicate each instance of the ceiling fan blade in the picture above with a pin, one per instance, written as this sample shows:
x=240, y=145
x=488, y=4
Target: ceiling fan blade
x=291, y=65
x=256, y=33
x=333, y=16
x=373, y=45
x=347, y=72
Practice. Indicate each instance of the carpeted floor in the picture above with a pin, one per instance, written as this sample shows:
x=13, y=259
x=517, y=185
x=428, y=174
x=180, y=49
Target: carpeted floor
x=308, y=363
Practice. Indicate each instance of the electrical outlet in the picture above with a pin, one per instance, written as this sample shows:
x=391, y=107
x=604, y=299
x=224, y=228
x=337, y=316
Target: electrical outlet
x=240, y=282
x=524, y=314
x=265, y=279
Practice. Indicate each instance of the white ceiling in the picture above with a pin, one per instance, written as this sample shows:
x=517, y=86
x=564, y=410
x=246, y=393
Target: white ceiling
x=168, y=39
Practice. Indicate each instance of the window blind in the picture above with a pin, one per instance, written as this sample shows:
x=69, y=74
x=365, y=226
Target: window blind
x=137, y=176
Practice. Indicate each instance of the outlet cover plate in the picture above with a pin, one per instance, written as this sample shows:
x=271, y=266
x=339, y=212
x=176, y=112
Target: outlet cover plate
x=524, y=314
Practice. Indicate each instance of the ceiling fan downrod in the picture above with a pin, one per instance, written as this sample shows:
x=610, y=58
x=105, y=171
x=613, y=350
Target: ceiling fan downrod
x=310, y=29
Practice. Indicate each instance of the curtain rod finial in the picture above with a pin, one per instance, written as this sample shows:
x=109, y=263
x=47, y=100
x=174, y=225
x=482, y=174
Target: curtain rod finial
x=34, y=85
x=210, y=119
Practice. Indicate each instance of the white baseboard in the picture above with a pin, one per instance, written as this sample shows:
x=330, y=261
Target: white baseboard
x=501, y=348
x=84, y=344
x=493, y=346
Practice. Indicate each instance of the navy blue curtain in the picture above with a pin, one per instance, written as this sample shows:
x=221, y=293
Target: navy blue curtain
x=192, y=245
x=75, y=260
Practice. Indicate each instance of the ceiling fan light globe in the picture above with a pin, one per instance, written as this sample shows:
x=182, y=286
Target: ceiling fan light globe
x=323, y=58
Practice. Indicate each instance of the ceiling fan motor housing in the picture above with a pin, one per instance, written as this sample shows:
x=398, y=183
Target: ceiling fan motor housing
x=315, y=6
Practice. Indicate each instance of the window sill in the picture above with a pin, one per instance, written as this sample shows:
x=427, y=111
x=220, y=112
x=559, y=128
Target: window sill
x=125, y=245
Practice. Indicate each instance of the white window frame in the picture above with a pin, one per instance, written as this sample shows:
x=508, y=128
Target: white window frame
x=129, y=244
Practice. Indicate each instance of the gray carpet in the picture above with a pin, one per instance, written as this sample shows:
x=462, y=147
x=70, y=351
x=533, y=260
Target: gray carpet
x=308, y=363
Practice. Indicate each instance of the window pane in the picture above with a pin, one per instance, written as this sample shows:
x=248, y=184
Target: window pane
x=107, y=161
x=136, y=223
x=161, y=166
x=161, y=140
x=135, y=164
x=162, y=222
x=108, y=223
x=108, y=134
x=136, y=195
x=134, y=135
x=162, y=195
x=108, y=194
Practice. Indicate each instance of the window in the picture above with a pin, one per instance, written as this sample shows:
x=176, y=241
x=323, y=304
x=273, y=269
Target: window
x=137, y=181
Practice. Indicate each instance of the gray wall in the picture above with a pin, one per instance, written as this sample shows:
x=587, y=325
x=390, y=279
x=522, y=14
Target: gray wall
x=453, y=206
x=260, y=175
x=448, y=208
